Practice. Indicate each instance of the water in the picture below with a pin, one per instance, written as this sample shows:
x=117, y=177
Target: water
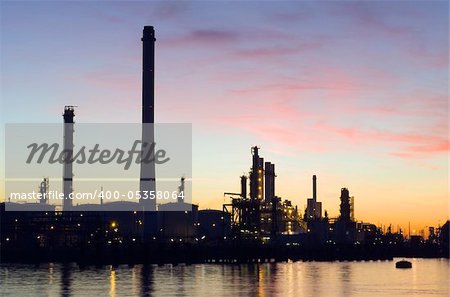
x=428, y=277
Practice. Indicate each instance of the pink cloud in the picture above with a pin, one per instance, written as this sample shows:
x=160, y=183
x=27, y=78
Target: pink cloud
x=204, y=37
x=307, y=131
x=108, y=80
x=333, y=80
x=371, y=21
x=434, y=145
x=265, y=52
x=411, y=144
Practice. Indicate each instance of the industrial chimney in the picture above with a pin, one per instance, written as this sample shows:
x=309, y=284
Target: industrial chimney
x=69, y=114
x=43, y=190
x=313, y=207
x=314, y=188
x=148, y=75
x=147, y=176
x=243, y=186
x=256, y=176
x=269, y=174
x=345, y=206
x=181, y=191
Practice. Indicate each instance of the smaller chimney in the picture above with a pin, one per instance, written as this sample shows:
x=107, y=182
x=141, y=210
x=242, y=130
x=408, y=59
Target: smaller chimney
x=43, y=190
x=314, y=188
x=69, y=114
x=181, y=191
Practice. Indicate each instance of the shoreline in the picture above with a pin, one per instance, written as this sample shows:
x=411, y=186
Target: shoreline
x=176, y=254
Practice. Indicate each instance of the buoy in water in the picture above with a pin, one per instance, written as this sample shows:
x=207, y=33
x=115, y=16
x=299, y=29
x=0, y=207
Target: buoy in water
x=403, y=264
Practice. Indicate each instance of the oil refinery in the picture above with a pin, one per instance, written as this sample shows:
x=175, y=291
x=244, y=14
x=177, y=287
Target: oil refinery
x=253, y=225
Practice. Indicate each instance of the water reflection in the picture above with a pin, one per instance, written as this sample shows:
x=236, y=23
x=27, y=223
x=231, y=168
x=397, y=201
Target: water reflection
x=146, y=280
x=112, y=282
x=261, y=280
x=345, y=279
x=51, y=274
x=66, y=279
x=429, y=277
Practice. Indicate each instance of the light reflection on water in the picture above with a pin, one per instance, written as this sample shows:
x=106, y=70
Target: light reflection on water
x=428, y=277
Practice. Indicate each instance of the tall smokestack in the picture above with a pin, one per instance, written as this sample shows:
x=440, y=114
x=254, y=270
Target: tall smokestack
x=69, y=114
x=314, y=188
x=148, y=75
x=147, y=179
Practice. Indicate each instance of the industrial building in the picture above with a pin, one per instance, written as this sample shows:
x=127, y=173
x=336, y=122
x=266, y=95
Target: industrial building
x=213, y=225
x=262, y=216
x=344, y=228
x=313, y=208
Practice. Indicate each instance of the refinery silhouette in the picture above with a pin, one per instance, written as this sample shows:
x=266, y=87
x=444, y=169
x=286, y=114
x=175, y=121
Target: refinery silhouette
x=255, y=225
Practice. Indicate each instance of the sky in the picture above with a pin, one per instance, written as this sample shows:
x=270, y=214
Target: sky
x=354, y=92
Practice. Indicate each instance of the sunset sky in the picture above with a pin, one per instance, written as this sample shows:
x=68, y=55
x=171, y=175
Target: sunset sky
x=356, y=93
